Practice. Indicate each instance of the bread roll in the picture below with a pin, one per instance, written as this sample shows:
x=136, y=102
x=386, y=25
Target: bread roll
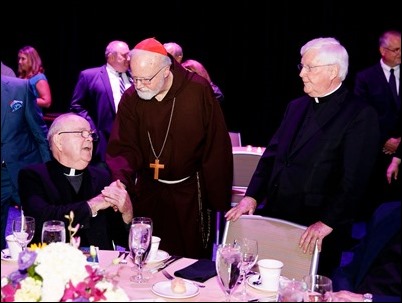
x=178, y=286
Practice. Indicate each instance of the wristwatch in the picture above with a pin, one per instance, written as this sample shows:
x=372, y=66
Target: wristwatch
x=367, y=297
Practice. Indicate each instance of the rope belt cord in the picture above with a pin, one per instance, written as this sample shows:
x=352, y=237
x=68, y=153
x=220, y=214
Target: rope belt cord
x=173, y=181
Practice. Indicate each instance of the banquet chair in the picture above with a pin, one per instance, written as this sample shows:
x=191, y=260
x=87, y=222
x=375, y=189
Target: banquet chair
x=235, y=138
x=277, y=239
x=244, y=165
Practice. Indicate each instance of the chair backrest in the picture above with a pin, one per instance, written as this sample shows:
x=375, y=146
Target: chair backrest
x=277, y=239
x=244, y=165
x=245, y=161
x=235, y=138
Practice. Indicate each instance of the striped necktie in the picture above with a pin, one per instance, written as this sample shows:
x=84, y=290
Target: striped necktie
x=122, y=86
x=392, y=84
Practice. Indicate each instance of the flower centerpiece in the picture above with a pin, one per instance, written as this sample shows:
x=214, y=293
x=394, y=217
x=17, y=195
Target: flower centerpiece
x=58, y=272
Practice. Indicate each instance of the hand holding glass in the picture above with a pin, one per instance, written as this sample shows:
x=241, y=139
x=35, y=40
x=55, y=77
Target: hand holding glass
x=140, y=243
x=23, y=230
x=228, y=263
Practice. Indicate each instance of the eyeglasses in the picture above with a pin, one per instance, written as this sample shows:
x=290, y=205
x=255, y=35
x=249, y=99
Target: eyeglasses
x=147, y=81
x=395, y=50
x=84, y=133
x=308, y=68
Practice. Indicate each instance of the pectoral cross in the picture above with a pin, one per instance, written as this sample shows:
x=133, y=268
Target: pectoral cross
x=156, y=166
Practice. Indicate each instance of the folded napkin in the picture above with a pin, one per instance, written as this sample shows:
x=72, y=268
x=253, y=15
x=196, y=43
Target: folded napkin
x=199, y=271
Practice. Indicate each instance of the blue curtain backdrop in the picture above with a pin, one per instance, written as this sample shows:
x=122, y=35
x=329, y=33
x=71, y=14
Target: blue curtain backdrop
x=250, y=49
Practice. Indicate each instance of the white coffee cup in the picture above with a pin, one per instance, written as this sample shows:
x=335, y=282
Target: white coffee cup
x=270, y=271
x=13, y=246
x=154, y=248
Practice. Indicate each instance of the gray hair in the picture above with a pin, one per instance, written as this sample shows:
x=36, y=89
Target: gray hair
x=330, y=51
x=384, y=38
x=57, y=125
x=112, y=46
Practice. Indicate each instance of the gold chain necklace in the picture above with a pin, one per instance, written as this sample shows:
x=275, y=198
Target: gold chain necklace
x=156, y=165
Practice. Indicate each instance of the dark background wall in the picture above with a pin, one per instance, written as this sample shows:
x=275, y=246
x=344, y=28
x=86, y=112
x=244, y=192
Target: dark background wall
x=250, y=50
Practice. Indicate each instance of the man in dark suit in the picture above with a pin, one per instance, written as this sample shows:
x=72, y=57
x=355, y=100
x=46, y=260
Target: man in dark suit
x=97, y=94
x=373, y=85
x=23, y=139
x=50, y=190
x=376, y=264
x=316, y=166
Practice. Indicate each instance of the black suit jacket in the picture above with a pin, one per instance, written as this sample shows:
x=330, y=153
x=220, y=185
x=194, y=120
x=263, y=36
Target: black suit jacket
x=372, y=85
x=322, y=176
x=47, y=194
x=93, y=100
x=384, y=226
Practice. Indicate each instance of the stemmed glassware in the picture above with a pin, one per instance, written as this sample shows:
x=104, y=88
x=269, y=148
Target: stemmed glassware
x=23, y=229
x=228, y=262
x=249, y=252
x=140, y=244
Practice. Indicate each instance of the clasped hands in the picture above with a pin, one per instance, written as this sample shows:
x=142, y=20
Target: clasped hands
x=115, y=195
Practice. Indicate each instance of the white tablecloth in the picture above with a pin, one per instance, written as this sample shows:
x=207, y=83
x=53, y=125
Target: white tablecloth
x=211, y=293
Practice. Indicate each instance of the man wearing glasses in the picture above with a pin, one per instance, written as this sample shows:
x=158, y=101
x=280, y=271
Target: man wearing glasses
x=51, y=190
x=170, y=146
x=374, y=84
x=316, y=166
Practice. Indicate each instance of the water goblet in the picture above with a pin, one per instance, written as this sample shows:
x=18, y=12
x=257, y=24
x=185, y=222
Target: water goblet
x=228, y=262
x=249, y=253
x=53, y=231
x=23, y=229
x=140, y=244
x=319, y=288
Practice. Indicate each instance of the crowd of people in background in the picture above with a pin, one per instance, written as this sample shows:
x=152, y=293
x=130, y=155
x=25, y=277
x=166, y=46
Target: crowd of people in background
x=142, y=133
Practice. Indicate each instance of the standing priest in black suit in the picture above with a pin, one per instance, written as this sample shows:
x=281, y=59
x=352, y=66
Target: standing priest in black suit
x=316, y=166
x=50, y=190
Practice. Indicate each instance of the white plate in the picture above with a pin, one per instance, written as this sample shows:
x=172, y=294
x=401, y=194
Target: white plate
x=5, y=256
x=163, y=289
x=254, y=278
x=161, y=255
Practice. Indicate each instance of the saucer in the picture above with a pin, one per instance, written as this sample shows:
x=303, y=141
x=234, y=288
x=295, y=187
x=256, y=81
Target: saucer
x=161, y=255
x=5, y=255
x=254, y=278
x=163, y=289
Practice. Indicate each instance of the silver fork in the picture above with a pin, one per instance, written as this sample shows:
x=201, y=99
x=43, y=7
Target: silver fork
x=170, y=277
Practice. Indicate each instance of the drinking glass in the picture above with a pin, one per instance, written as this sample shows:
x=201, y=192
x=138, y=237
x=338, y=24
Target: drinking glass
x=140, y=244
x=23, y=229
x=228, y=262
x=249, y=253
x=319, y=288
x=53, y=231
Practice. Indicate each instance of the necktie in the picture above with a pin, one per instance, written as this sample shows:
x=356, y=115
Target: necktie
x=392, y=84
x=122, y=86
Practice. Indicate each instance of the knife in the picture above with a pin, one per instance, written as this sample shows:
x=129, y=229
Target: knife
x=165, y=264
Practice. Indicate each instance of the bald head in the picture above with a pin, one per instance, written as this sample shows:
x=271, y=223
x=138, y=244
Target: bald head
x=175, y=50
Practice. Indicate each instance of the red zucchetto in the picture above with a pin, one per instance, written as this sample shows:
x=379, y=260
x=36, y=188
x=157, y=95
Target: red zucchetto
x=151, y=45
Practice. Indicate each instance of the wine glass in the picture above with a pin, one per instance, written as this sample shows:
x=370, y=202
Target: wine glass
x=53, y=231
x=23, y=229
x=249, y=252
x=228, y=262
x=319, y=288
x=140, y=244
